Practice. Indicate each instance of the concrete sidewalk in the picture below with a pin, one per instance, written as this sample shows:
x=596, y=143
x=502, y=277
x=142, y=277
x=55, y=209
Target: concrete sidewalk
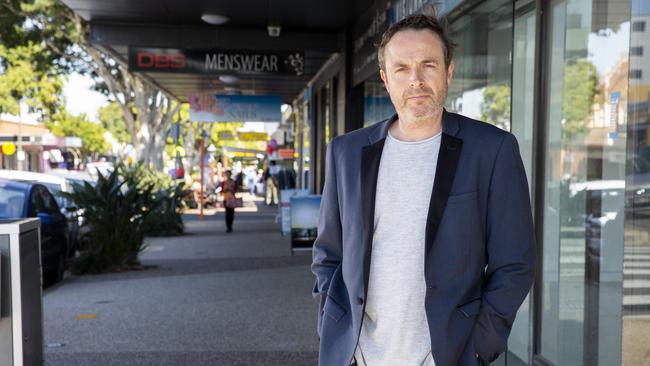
x=214, y=298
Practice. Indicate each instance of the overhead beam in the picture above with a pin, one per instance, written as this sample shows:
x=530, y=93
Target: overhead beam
x=192, y=36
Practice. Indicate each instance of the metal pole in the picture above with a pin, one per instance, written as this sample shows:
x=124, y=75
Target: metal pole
x=20, y=151
x=202, y=165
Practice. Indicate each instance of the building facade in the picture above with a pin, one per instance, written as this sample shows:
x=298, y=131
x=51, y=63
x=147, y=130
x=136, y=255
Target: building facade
x=571, y=80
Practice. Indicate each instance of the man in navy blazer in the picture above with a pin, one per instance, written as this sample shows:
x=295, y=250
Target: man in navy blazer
x=425, y=247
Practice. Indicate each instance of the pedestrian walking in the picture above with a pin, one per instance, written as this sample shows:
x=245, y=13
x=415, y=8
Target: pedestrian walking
x=425, y=246
x=229, y=189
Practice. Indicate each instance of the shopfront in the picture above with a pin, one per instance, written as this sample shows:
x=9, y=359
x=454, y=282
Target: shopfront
x=571, y=80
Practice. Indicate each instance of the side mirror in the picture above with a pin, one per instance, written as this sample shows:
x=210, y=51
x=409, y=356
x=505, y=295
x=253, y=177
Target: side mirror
x=46, y=219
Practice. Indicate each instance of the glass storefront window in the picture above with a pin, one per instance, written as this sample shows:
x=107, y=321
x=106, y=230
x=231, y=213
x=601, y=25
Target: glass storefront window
x=584, y=182
x=481, y=87
x=376, y=102
x=494, y=82
x=636, y=257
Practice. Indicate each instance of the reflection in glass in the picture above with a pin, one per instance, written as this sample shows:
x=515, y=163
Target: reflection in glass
x=376, y=102
x=636, y=262
x=584, y=182
x=481, y=85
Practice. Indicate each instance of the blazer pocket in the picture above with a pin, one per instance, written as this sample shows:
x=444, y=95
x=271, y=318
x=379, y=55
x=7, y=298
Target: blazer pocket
x=333, y=310
x=462, y=197
x=471, y=308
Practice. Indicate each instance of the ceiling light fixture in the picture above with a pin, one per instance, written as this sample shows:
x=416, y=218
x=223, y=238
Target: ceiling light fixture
x=214, y=19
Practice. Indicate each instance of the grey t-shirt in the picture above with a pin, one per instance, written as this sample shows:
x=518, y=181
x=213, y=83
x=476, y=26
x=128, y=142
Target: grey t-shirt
x=394, y=329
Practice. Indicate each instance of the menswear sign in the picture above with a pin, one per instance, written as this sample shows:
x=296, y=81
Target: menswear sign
x=176, y=60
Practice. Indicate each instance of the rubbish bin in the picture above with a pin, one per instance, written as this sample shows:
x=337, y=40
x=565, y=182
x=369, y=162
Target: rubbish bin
x=21, y=305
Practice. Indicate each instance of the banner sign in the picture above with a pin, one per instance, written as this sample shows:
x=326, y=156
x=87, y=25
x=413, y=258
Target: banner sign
x=176, y=60
x=235, y=108
x=285, y=207
x=304, y=221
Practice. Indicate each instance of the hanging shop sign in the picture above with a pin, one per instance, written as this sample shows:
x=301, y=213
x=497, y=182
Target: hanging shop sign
x=253, y=136
x=235, y=108
x=285, y=154
x=206, y=61
x=226, y=135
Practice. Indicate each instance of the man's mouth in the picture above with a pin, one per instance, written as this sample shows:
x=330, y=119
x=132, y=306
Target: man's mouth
x=417, y=97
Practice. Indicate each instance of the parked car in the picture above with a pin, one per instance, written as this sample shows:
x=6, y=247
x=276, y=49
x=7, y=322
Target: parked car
x=29, y=199
x=56, y=185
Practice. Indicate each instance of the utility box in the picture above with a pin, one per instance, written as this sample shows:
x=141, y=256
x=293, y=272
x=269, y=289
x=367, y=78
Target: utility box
x=21, y=304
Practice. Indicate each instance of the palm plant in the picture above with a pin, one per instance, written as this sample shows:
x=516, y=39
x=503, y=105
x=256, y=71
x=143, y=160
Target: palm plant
x=114, y=211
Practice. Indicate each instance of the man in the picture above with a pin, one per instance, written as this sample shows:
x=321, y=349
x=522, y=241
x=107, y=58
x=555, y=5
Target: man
x=425, y=247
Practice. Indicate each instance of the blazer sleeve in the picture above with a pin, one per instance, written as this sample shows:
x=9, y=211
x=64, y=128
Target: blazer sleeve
x=510, y=250
x=328, y=244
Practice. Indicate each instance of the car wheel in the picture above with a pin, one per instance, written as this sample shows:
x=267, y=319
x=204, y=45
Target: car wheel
x=60, y=268
x=56, y=275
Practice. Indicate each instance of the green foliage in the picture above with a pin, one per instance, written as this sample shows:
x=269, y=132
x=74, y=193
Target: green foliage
x=165, y=218
x=20, y=79
x=46, y=23
x=495, y=108
x=114, y=211
x=112, y=119
x=92, y=134
x=580, y=89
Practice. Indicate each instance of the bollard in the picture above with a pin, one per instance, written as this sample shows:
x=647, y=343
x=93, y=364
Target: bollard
x=21, y=304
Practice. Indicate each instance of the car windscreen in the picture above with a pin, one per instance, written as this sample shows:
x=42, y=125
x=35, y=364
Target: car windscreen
x=12, y=202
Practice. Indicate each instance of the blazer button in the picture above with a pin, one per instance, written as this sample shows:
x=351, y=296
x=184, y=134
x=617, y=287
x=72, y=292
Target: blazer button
x=359, y=301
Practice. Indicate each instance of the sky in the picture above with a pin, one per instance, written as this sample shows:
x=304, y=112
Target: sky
x=81, y=98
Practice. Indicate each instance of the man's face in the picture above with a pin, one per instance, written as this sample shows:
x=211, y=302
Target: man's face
x=415, y=74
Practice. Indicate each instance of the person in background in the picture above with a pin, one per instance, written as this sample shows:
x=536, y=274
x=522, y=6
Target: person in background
x=271, y=179
x=250, y=179
x=228, y=189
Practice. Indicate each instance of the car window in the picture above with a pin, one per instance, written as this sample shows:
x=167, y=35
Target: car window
x=12, y=202
x=49, y=204
x=36, y=203
x=55, y=189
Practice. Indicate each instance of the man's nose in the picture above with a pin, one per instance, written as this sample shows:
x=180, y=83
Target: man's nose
x=415, y=78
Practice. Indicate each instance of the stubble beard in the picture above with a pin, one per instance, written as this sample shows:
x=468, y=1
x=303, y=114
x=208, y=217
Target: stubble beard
x=420, y=114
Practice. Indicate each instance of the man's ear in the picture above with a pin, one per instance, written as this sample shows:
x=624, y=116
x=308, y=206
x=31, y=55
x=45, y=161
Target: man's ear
x=382, y=75
x=450, y=72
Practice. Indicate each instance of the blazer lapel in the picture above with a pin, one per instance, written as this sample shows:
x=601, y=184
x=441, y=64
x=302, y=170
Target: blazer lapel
x=370, y=159
x=450, y=148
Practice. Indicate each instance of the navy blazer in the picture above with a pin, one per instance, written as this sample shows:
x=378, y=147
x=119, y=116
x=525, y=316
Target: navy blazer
x=479, y=246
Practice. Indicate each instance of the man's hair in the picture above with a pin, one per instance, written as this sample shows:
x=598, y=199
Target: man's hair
x=418, y=22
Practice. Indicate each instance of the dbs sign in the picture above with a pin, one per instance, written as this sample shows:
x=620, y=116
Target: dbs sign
x=159, y=61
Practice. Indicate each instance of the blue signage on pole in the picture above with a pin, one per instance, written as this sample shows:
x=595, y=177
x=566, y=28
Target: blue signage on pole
x=235, y=108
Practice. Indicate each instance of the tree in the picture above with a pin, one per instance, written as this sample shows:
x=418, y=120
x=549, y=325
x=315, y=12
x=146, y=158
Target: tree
x=580, y=89
x=112, y=119
x=495, y=107
x=21, y=80
x=147, y=111
x=92, y=134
